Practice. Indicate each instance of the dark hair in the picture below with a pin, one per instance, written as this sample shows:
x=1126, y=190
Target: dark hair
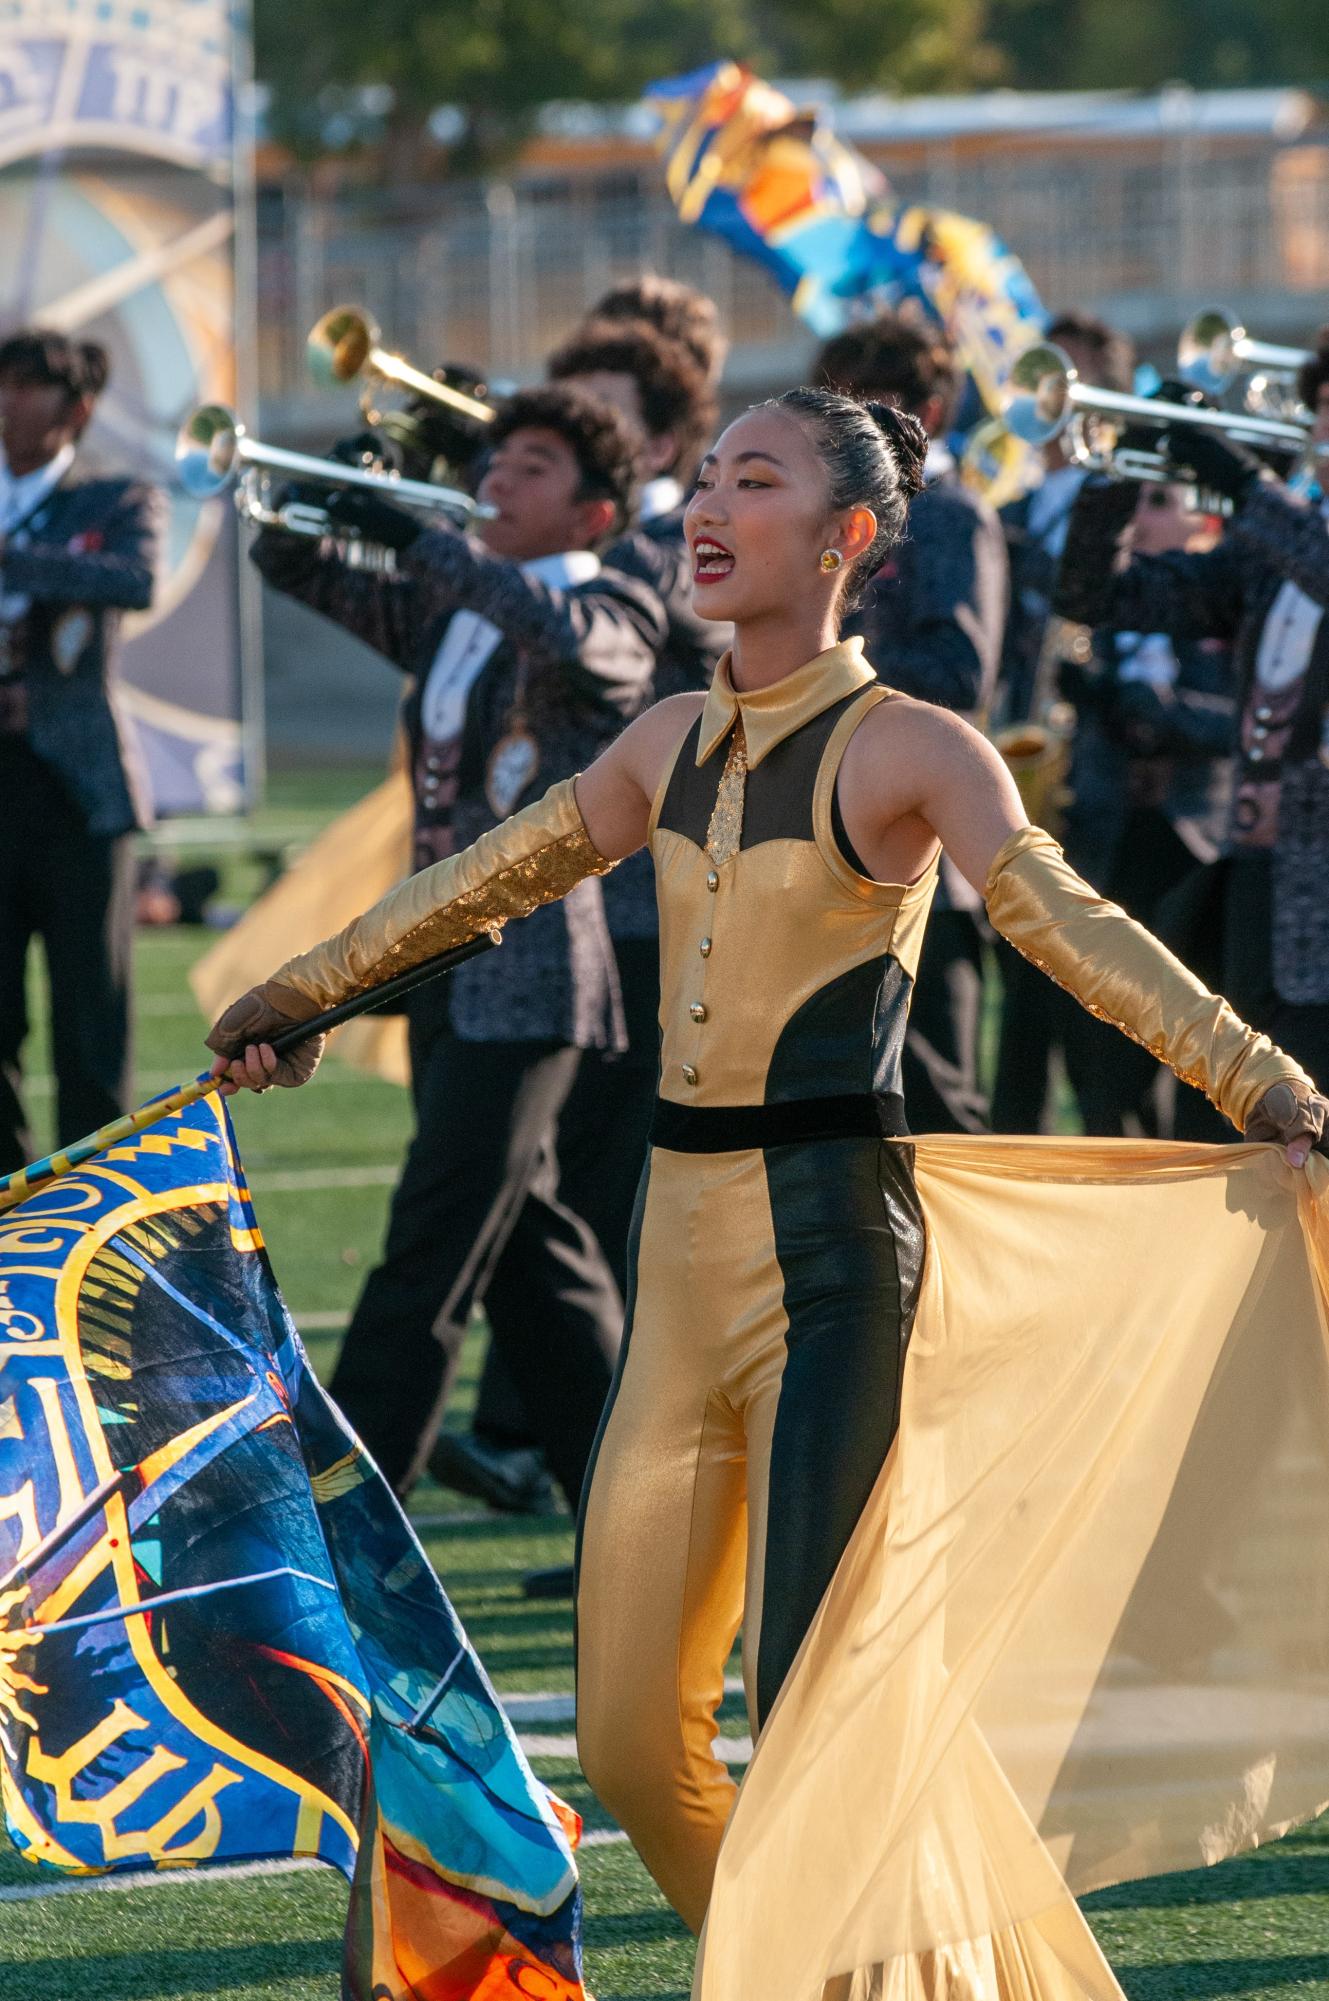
x=1314, y=373
x=675, y=394
x=42, y=356
x=887, y=357
x=680, y=312
x=599, y=438
x=1114, y=351
x=873, y=455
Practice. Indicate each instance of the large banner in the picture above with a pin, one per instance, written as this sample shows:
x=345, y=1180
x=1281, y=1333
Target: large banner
x=776, y=183
x=118, y=222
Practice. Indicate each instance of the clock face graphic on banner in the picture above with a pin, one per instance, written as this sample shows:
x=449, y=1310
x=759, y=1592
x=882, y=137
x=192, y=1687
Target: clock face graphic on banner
x=117, y=223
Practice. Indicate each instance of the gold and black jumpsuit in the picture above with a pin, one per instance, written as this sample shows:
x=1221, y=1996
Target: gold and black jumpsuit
x=776, y=1255
x=777, y=1272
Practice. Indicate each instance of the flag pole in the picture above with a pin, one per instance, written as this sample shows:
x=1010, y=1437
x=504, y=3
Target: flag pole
x=15, y=1188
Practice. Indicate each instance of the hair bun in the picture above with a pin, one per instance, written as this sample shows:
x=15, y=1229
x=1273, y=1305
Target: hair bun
x=908, y=442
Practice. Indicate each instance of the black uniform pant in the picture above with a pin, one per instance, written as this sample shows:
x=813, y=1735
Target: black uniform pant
x=602, y=1140
x=480, y=1183
x=1112, y=1077
x=75, y=891
x=1301, y=1028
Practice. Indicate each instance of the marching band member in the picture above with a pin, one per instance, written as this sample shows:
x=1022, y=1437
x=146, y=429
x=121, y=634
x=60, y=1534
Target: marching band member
x=526, y=654
x=677, y=311
x=76, y=553
x=766, y=1404
x=1036, y=528
x=656, y=384
x=1264, y=589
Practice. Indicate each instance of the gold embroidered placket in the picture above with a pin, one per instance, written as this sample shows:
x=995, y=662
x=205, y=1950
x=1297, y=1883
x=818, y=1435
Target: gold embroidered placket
x=725, y=831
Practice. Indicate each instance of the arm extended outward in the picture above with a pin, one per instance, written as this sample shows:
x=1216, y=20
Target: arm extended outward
x=581, y=827
x=956, y=783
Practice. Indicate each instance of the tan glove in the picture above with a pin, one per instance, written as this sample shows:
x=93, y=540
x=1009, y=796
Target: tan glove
x=1290, y=1116
x=257, y=1017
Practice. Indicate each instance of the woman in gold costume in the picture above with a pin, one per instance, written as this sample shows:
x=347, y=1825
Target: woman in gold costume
x=966, y=1585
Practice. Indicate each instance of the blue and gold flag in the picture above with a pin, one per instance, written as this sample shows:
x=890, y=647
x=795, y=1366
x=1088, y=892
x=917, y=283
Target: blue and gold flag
x=742, y=160
x=219, y=1637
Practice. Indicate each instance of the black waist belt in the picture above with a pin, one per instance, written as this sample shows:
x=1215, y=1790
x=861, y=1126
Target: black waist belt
x=741, y=1128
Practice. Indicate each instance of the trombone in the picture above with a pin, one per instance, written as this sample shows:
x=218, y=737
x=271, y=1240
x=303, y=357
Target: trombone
x=347, y=343
x=1215, y=351
x=1044, y=397
x=214, y=452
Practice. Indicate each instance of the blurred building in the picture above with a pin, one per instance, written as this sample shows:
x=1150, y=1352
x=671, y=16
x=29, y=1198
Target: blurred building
x=1141, y=208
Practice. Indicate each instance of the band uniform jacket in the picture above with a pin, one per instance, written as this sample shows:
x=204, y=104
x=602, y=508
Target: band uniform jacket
x=657, y=555
x=91, y=555
x=1229, y=592
x=570, y=665
x=1140, y=746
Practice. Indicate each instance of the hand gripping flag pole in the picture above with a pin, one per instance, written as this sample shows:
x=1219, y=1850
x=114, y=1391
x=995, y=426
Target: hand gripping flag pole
x=15, y=1188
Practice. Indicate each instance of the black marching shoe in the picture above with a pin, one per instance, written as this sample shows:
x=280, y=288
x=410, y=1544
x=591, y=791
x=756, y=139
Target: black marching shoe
x=548, y=1583
x=512, y=1478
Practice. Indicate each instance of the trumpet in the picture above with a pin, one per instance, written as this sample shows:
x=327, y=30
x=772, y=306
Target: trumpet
x=998, y=465
x=347, y=343
x=214, y=452
x=1045, y=397
x=1215, y=351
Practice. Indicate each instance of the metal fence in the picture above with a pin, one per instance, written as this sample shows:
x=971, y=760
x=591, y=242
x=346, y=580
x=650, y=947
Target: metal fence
x=495, y=274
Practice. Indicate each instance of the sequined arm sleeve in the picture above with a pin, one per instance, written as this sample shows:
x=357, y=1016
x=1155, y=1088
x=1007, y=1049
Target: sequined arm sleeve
x=534, y=858
x=1121, y=973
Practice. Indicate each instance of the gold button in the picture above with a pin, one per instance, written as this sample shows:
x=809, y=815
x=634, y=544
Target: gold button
x=689, y=1074
x=697, y=1011
x=712, y=882
x=705, y=948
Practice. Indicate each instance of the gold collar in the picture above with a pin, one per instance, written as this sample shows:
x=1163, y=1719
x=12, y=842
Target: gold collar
x=771, y=714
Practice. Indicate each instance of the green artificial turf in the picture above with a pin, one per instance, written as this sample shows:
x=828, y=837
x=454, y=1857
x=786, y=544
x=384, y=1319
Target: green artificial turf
x=1257, y=1928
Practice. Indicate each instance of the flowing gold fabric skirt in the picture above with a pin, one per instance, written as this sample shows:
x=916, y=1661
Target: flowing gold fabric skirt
x=1081, y=1633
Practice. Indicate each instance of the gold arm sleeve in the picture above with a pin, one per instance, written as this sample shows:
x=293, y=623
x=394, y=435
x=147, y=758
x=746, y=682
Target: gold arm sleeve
x=535, y=857
x=1122, y=974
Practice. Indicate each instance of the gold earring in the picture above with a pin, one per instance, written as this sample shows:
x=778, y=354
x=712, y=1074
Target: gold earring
x=831, y=559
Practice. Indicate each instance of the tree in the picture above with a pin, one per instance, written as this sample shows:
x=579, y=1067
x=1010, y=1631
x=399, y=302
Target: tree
x=1141, y=44
x=498, y=60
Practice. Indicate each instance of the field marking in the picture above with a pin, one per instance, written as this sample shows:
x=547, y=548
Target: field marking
x=160, y=1879
x=218, y=1874
x=521, y=1709
x=726, y=1750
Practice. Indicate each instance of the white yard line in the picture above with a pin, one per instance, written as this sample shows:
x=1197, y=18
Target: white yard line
x=521, y=1709
x=216, y=1875
x=157, y=1879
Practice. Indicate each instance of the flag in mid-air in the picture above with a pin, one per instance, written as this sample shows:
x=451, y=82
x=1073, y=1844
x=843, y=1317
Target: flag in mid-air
x=741, y=159
x=219, y=1637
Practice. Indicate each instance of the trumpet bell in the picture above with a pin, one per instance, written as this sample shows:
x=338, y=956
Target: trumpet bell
x=339, y=345
x=1038, y=404
x=1207, y=352
x=998, y=466
x=207, y=451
